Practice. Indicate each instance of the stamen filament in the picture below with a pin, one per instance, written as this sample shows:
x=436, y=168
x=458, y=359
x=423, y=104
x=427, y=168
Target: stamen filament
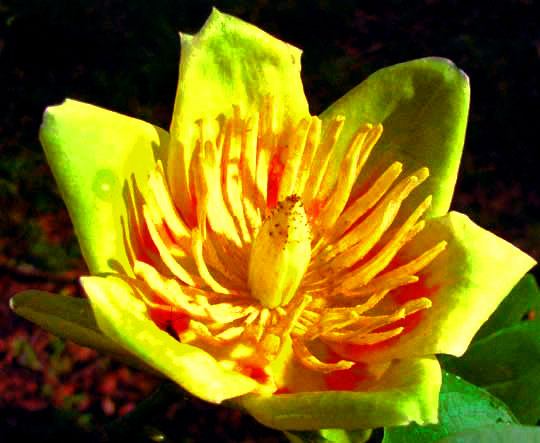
x=162, y=197
x=295, y=153
x=322, y=158
x=294, y=311
x=382, y=216
x=249, y=171
x=402, y=275
x=365, y=202
x=163, y=287
x=197, y=249
x=164, y=245
x=310, y=150
x=345, y=181
x=369, y=338
x=311, y=362
x=375, y=265
x=232, y=148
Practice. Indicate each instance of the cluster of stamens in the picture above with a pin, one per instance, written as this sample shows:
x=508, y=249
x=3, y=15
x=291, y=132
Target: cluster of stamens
x=208, y=265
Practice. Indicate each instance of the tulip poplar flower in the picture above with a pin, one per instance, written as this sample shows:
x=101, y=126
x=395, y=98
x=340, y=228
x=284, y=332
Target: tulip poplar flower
x=305, y=268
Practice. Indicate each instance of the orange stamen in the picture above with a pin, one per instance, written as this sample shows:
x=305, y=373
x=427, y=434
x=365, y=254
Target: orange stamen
x=212, y=239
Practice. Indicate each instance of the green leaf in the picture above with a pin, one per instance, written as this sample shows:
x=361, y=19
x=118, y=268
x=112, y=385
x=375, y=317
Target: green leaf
x=507, y=364
x=463, y=407
x=497, y=434
x=25, y=354
x=521, y=395
x=501, y=356
x=423, y=106
x=70, y=318
x=522, y=300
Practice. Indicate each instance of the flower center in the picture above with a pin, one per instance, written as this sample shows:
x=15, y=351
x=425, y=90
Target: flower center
x=259, y=239
x=280, y=254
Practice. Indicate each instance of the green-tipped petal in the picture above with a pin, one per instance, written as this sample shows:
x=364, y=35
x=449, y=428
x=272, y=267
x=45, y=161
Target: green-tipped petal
x=423, y=107
x=466, y=283
x=408, y=391
x=93, y=153
x=123, y=318
x=70, y=318
x=230, y=62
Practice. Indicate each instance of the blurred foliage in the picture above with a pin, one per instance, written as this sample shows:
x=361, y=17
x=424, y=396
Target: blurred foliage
x=463, y=406
x=504, y=357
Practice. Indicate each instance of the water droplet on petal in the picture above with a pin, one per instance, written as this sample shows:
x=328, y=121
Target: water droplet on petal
x=105, y=184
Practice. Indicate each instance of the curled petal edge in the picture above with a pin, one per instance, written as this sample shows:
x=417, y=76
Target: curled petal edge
x=123, y=318
x=408, y=391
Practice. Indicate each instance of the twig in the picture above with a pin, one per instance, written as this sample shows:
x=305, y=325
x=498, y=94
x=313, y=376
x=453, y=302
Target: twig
x=29, y=272
x=154, y=405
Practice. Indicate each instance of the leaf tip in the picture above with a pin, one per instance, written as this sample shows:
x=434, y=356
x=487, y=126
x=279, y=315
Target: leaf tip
x=13, y=305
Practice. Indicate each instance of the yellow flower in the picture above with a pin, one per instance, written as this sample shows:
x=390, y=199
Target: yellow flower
x=271, y=249
x=304, y=266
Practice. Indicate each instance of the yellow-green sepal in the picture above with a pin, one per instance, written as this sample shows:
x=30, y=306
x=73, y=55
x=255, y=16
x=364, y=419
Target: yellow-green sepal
x=423, y=106
x=408, y=391
x=124, y=319
x=466, y=282
x=94, y=153
x=70, y=318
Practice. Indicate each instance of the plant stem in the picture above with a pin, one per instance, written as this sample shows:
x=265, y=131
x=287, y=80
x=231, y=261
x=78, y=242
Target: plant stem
x=154, y=405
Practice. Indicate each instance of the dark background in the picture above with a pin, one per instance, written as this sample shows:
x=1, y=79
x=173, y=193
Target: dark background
x=123, y=55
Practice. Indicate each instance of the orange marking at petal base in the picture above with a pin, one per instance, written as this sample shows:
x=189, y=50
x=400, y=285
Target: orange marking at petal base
x=180, y=324
x=256, y=373
x=348, y=379
x=315, y=209
x=147, y=243
x=400, y=295
x=191, y=219
x=414, y=291
x=167, y=319
x=283, y=390
x=160, y=316
x=411, y=291
x=274, y=178
x=357, y=352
